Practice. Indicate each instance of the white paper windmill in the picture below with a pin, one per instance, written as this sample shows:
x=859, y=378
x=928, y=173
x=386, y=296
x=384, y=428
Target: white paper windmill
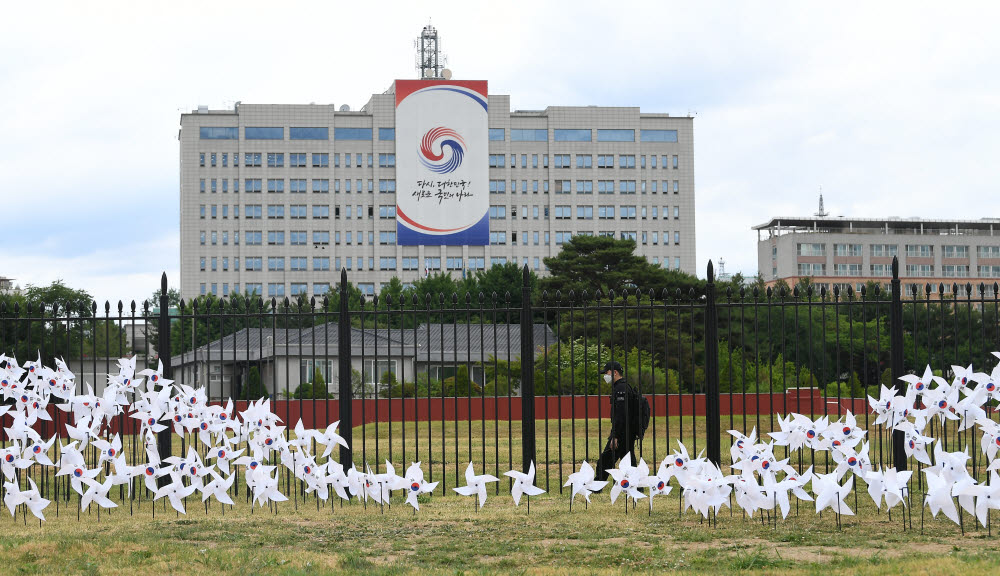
x=628, y=478
x=830, y=494
x=413, y=483
x=97, y=492
x=523, y=484
x=583, y=483
x=31, y=498
x=475, y=485
x=176, y=491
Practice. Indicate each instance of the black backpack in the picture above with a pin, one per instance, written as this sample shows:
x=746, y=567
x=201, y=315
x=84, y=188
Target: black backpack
x=636, y=400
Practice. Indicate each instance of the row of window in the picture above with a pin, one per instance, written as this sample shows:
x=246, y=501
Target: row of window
x=885, y=270
x=495, y=134
x=295, y=237
x=587, y=186
x=295, y=186
x=294, y=133
x=295, y=160
x=584, y=161
x=565, y=212
x=499, y=237
x=582, y=135
x=890, y=250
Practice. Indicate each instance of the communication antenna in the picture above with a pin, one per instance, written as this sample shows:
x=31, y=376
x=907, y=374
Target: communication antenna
x=345, y=108
x=822, y=213
x=429, y=61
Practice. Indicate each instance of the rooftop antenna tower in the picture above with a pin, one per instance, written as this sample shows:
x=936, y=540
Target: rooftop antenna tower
x=822, y=212
x=722, y=270
x=430, y=63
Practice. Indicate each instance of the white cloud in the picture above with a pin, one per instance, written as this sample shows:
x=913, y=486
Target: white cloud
x=891, y=107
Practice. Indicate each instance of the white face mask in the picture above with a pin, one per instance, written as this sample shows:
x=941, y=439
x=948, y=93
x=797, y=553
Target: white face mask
x=607, y=378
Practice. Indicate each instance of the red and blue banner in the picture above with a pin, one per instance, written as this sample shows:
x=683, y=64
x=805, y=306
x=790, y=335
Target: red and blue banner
x=442, y=163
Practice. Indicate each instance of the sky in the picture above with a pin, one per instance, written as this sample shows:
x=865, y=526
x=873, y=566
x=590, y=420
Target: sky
x=889, y=108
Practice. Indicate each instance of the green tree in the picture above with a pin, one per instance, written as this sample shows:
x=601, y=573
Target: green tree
x=600, y=262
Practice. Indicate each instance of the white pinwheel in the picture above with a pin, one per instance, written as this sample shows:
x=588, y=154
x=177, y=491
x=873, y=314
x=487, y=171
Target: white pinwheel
x=31, y=498
x=830, y=494
x=938, y=497
x=628, y=478
x=97, y=492
x=659, y=483
x=523, y=484
x=413, y=482
x=583, y=483
x=176, y=491
x=475, y=485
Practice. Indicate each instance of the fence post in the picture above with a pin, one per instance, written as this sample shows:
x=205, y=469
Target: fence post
x=527, y=374
x=345, y=398
x=896, y=359
x=712, y=417
x=165, y=436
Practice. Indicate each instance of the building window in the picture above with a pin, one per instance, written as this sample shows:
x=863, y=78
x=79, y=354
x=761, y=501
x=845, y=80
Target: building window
x=954, y=251
x=297, y=237
x=919, y=270
x=881, y=270
x=387, y=186
x=298, y=263
x=657, y=136
x=584, y=187
x=626, y=161
x=883, y=250
x=297, y=186
x=218, y=133
x=321, y=212
x=253, y=185
x=629, y=235
x=386, y=160
x=627, y=186
x=847, y=249
x=989, y=271
x=605, y=212
x=275, y=160
x=498, y=160
x=275, y=290
x=497, y=238
x=584, y=212
x=386, y=134
x=253, y=263
x=677, y=186
x=498, y=212
x=616, y=135
x=275, y=263
x=810, y=249
x=275, y=186
x=321, y=160
x=276, y=238
x=847, y=269
x=387, y=238
x=252, y=160
x=321, y=186
x=627, y=213
x=309, y=133
x=988, y=251
x=496, y=134
x=528, y=135
x=605, y=160
x=675, y=163
x=275, y=212
x=952, y=271
x=812, y=269
x=498, y=186
x=605, y=186
x=920, y=250
x=352, y=134
x=321, y=238
x=561, y=160
x=584, y=161
x=297, y=160
x=387, y=263
x=253, y=238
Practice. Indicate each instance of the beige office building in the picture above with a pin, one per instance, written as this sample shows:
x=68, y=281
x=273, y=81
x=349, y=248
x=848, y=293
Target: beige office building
x=277, y=198
x=852, y=251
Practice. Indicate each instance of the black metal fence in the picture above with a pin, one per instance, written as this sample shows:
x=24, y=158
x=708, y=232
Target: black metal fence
x=503, y=380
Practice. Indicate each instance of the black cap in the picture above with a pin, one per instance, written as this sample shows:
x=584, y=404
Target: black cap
x=612, y=365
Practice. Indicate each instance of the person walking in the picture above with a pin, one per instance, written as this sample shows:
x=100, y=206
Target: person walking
x=624, y=421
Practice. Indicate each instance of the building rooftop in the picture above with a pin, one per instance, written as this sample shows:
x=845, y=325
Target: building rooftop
x=889, y=225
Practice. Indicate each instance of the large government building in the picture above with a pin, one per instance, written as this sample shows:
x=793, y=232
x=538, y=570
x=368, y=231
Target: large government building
x=853, y=251
x=276, y=198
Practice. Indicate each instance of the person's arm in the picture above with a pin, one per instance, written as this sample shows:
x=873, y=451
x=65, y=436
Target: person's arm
x=619, y=424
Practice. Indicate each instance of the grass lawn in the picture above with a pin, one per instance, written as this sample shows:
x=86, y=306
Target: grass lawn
x=448, y=536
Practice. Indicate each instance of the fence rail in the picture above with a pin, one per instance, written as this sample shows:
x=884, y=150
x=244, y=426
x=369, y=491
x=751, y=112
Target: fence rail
x=504, y=380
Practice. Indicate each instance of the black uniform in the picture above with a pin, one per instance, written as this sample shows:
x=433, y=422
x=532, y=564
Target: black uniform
x=623, y=428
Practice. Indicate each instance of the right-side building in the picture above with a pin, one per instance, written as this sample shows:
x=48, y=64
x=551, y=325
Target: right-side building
x=853, y=251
